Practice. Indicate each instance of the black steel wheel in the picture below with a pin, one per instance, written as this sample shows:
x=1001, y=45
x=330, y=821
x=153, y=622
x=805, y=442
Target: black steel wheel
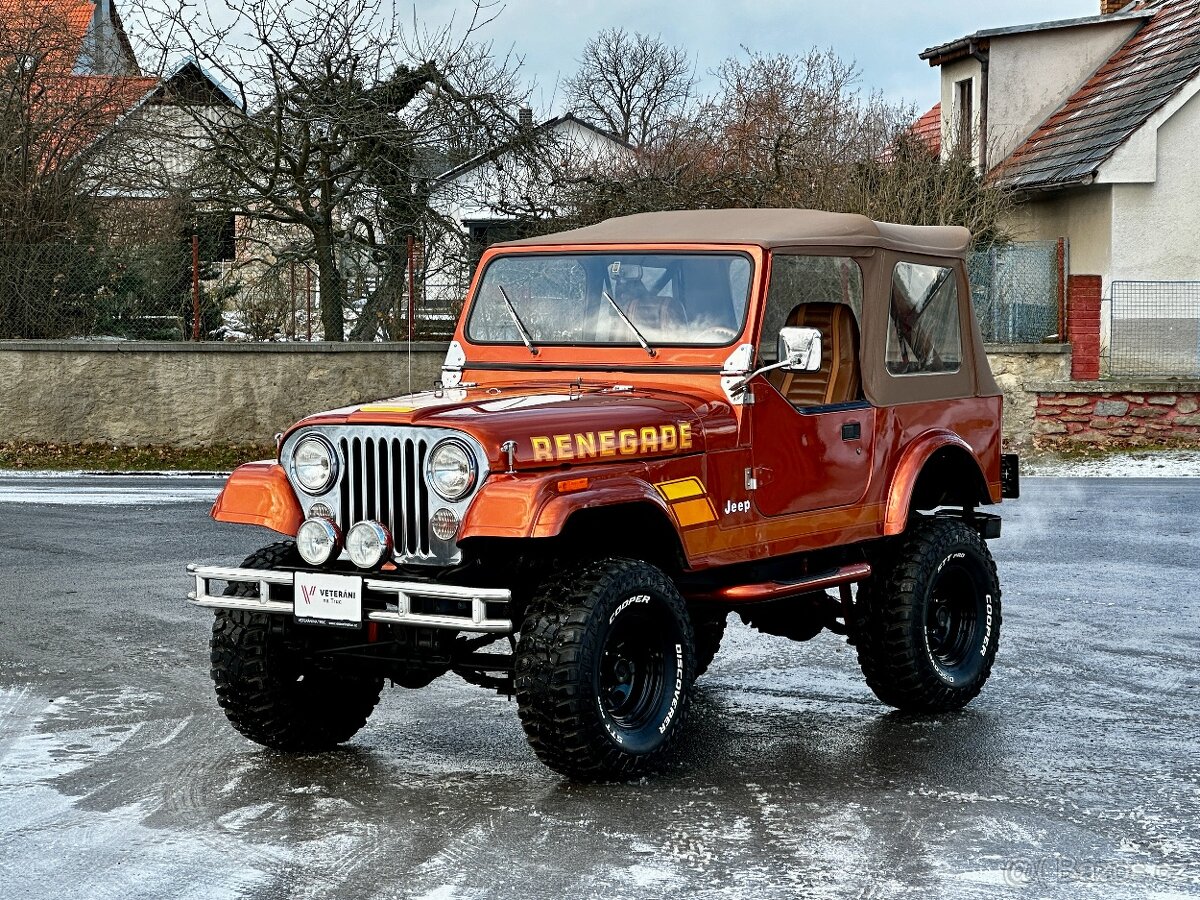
x=927, y=623
x=269, y=690
x=604, y=668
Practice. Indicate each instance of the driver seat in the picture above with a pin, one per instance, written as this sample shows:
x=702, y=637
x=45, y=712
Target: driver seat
x=838, y=380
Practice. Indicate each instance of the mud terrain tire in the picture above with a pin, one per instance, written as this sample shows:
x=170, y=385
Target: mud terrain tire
x=265, y=686
x=604, y=668
x=928, y=620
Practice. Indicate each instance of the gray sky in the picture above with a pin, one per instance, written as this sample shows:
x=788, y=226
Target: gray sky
x=884, y=38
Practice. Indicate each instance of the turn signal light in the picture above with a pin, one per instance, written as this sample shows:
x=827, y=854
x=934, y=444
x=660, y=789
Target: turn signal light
x=573, y=484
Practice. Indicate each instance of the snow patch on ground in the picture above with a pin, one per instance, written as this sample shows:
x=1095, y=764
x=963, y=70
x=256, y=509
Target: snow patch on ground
x=1132, y=464
x=91, y=852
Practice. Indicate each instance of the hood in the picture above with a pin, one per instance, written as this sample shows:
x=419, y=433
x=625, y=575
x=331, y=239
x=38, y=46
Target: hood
x=554, y=425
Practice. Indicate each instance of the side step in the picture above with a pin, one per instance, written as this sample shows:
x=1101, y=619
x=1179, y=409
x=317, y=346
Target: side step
x=777, y=590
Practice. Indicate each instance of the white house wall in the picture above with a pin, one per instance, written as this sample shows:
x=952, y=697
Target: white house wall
x=1031, y=75
x=952, y=74
x=1085, y=217
x=1156, y=226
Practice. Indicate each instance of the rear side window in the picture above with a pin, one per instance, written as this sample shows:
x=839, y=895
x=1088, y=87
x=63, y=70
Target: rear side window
x=924, y=336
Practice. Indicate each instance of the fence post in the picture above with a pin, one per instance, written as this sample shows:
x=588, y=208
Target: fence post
x=195, y=287
x=1083, y=326
x=412, y=286
x=308, y=300
x=1061, y=260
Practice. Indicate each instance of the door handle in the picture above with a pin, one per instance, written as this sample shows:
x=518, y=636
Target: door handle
x=852, y=431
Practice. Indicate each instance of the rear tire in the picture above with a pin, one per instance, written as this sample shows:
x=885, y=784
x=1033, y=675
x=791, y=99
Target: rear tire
x=928, y=621
x=270, y=692
x=604, y=668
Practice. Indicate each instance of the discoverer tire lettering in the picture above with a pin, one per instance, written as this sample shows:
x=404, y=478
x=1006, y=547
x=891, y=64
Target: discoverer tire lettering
x=604, y=668
x=928, y=620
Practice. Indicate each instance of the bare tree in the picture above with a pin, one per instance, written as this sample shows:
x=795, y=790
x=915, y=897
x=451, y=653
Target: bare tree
x=346, y=118
x=631, y=84
x=790, y=130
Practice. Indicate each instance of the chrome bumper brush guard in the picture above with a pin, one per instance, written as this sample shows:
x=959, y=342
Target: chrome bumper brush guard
x=400, y=593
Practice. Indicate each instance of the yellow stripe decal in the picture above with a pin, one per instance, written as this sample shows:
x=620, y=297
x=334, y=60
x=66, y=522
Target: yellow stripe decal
x=681, y=489
x=384, y=408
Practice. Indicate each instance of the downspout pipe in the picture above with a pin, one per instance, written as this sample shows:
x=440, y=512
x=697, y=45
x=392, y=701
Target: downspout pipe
x=982, y=55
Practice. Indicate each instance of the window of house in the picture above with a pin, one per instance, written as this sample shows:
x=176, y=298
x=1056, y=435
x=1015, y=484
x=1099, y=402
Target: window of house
x=965, y=91
x=924, y=336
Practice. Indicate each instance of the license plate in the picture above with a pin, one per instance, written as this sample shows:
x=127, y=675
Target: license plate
x=328, y=599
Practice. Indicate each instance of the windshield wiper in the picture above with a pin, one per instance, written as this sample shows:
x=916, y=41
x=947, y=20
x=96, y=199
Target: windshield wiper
x=624, y=318
x=512, y=311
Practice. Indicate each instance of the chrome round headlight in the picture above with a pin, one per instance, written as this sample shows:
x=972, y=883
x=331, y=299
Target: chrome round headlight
x=368, y=544
x=451, y=470
x=318, y=540
x=314, y=464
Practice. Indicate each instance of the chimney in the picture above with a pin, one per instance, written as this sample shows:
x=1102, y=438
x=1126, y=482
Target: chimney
x=525, y=117
x=1108, y=7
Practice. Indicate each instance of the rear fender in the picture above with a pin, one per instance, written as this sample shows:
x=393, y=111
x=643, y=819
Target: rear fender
x=909, y=469
x=259, y=493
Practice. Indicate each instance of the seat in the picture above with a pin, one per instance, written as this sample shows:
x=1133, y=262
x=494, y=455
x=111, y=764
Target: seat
x=659, y=317
x=838, y=380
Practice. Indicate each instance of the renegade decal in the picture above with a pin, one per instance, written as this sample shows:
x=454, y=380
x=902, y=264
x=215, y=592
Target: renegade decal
x=688, y=501
x=622, y=442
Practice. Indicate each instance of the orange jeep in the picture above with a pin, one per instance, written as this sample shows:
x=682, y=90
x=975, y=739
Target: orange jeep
x=641, y=427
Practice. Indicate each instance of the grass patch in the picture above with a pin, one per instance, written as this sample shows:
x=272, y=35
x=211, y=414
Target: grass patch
x=107, y=458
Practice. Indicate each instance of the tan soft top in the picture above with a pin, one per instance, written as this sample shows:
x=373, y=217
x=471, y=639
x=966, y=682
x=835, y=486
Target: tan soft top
x=765, y=227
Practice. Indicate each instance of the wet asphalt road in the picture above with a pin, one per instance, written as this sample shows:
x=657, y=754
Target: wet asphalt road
x=1076, y=774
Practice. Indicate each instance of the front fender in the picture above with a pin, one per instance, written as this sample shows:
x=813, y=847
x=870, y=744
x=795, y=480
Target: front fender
x=908, y=470
x=520, y=506
x=259, y=493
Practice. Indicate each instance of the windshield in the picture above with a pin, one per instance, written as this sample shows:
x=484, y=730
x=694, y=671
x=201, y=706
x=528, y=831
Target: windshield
x=622, y=299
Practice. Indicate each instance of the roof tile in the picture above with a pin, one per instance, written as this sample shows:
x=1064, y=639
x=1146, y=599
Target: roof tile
x=1137, y=81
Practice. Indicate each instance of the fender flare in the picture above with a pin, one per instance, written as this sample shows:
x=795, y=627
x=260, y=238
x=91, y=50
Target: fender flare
x=259, y=493
x=521, y=507
x=908, y=470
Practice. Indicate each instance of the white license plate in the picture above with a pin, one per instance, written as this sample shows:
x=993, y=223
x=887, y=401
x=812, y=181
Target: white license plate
x=328, y=599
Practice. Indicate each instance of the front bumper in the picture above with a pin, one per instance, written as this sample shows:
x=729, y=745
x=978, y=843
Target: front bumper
x=459, y=608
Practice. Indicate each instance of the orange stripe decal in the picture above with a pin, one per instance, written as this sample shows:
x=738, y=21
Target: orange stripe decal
x=694, y=512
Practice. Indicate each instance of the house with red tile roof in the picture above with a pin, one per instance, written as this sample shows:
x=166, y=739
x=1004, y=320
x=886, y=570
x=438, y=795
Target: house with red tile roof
x=81, y=100
x=1093, y=122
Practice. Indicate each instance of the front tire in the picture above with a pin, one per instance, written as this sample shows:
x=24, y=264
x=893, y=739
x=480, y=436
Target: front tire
x=270, y=691
x=604, y=669
x=928, y=620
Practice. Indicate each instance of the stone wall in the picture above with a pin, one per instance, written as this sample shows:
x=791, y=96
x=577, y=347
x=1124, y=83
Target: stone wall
x=192, y=394
x=1116, y=414
x=202, y=394
x=1015, y=367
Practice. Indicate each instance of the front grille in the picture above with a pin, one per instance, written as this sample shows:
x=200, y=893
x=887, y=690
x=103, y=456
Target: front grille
x=383, y=479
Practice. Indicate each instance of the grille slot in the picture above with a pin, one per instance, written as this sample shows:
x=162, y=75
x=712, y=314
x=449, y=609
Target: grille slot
x=382, y=480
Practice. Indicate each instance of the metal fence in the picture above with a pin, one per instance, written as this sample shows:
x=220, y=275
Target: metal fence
x=153, y=292
x=78, y=290
x=1018, y=291
x=1154, y=329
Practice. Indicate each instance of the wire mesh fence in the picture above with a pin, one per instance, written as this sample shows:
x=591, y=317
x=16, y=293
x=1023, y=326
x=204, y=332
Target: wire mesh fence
x=1154, y=329
x=73, y=291
x=153, y=292
x=1018, y=291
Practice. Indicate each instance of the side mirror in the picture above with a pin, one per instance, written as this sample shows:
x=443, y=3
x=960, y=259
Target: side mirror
x=800, y=349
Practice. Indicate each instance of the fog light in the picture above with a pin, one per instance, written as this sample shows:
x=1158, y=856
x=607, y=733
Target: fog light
x=444, y=524
x=368, y=544
x=317, y=540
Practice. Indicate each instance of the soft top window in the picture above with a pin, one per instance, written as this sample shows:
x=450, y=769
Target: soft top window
x=598, y=298
x=924, y=336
